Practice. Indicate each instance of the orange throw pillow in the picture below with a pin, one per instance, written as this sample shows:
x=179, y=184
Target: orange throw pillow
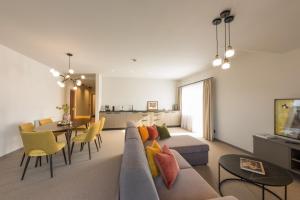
x=144, y=133
x=167, y=165
x=151, y=151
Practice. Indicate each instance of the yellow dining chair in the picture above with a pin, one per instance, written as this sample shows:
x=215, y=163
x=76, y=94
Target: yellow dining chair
x=37, y=144
x=87, y=137
x=82, y=127
x=25, y=127
x=102, y=122
x=45, y=121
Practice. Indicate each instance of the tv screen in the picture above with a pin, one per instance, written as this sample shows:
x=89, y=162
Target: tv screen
x=287, y=118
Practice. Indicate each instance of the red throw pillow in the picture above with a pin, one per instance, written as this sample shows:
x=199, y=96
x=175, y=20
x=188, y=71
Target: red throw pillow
x=167, y=165
x=153, y=133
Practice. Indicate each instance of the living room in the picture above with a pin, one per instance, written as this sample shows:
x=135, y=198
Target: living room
x=153, y=82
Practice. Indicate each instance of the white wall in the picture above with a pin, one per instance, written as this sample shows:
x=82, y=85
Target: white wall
x=244, y=94
x=28, y=92
x=136, y=92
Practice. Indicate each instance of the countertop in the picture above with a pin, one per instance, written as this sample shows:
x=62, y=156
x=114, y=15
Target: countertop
x=137, y=111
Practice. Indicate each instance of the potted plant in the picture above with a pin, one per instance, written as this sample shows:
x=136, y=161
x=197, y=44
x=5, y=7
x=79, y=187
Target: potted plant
x=65, y=108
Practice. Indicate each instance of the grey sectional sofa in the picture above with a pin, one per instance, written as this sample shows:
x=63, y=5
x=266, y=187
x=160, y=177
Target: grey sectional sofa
x=137, y=183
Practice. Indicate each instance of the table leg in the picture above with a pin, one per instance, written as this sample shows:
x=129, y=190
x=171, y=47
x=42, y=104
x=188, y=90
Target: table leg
x=263, y=192
x=285, y=192
x=68, y=137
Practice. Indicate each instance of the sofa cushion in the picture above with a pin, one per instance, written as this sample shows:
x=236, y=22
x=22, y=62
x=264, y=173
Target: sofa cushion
x=184, y=144
x=188, y=185
x=163, y=132
x=168, y=166
x=153, y=133
x=183, y=164
x=136, y=181
x=151, y=151
x=144, y=133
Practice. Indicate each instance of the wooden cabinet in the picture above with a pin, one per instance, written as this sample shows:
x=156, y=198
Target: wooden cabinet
x=118, y=120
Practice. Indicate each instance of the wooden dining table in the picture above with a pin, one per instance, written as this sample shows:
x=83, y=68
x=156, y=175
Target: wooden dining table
x=66, y=129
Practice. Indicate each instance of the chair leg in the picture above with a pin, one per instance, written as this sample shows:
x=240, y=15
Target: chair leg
x=63, y=150
x=36, y=162
x=56, y=138
x=40, y=161
x=82, y=146
x=100, y=138
x=51, y=166
x=23, y=157
x=89, y=146
x=72, y=148
x=96, y=145
x=47, y=159
x=25, y=168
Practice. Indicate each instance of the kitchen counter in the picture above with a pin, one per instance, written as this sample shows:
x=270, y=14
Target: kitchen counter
x=119, y=119
x=136, y=111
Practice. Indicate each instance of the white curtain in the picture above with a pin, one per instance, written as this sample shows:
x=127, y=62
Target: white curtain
x=192, y=108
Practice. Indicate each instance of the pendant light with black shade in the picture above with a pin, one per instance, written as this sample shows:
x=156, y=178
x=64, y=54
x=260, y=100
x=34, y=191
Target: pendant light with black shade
x=217, y=61
x=230, y=51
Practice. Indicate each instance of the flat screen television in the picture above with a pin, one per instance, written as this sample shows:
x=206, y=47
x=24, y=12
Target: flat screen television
x=287, y=118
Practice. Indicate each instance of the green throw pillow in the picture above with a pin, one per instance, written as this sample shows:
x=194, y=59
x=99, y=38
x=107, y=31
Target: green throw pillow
x=163, y=132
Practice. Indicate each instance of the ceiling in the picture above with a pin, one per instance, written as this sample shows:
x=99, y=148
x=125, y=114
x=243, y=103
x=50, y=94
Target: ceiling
x=169, y=38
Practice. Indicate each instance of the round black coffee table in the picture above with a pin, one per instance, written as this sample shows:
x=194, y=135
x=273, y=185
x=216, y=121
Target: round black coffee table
x=274, y=175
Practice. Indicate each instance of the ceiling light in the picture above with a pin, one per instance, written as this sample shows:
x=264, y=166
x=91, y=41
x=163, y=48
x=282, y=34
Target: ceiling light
x=68, y=76
x=71, y=71
x=229, y=52
x=226, y=64
x=55, y=73
x=78, y=82
x=61, y=84
x=217, y=61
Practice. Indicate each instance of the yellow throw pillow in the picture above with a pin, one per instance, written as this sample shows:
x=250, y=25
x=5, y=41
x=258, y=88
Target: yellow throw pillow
x=151, y=151
x=144, y=133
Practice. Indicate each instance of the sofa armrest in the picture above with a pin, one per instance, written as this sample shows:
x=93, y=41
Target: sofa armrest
x=225, y=198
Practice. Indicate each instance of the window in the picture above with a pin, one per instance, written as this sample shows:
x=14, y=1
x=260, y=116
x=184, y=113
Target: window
x=192, y=108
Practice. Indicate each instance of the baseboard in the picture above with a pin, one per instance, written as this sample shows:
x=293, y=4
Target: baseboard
x=243, y=150
x=8, y=154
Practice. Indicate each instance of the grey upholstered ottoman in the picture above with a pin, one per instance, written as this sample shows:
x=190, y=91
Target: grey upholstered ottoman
x=192, y=149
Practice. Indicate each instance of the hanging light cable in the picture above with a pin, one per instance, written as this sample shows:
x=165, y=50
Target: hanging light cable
x=217, y=61
x=226, y=63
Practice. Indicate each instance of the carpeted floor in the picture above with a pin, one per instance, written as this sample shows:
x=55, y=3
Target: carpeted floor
x=97, y=179
x=84, y=179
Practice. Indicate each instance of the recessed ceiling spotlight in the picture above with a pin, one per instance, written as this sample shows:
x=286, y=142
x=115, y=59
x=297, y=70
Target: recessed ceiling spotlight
x=133, y=60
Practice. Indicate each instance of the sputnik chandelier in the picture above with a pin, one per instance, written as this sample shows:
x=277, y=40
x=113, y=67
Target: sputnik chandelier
x=67, y=76
x=229, y=51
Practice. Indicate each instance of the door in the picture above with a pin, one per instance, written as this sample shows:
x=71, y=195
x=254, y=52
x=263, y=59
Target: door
x=72, y=104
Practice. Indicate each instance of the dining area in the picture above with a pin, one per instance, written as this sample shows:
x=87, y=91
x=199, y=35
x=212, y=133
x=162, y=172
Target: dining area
x=48, y=138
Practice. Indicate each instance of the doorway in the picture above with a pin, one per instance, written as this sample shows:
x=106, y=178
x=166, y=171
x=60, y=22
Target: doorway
x=82, y=99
